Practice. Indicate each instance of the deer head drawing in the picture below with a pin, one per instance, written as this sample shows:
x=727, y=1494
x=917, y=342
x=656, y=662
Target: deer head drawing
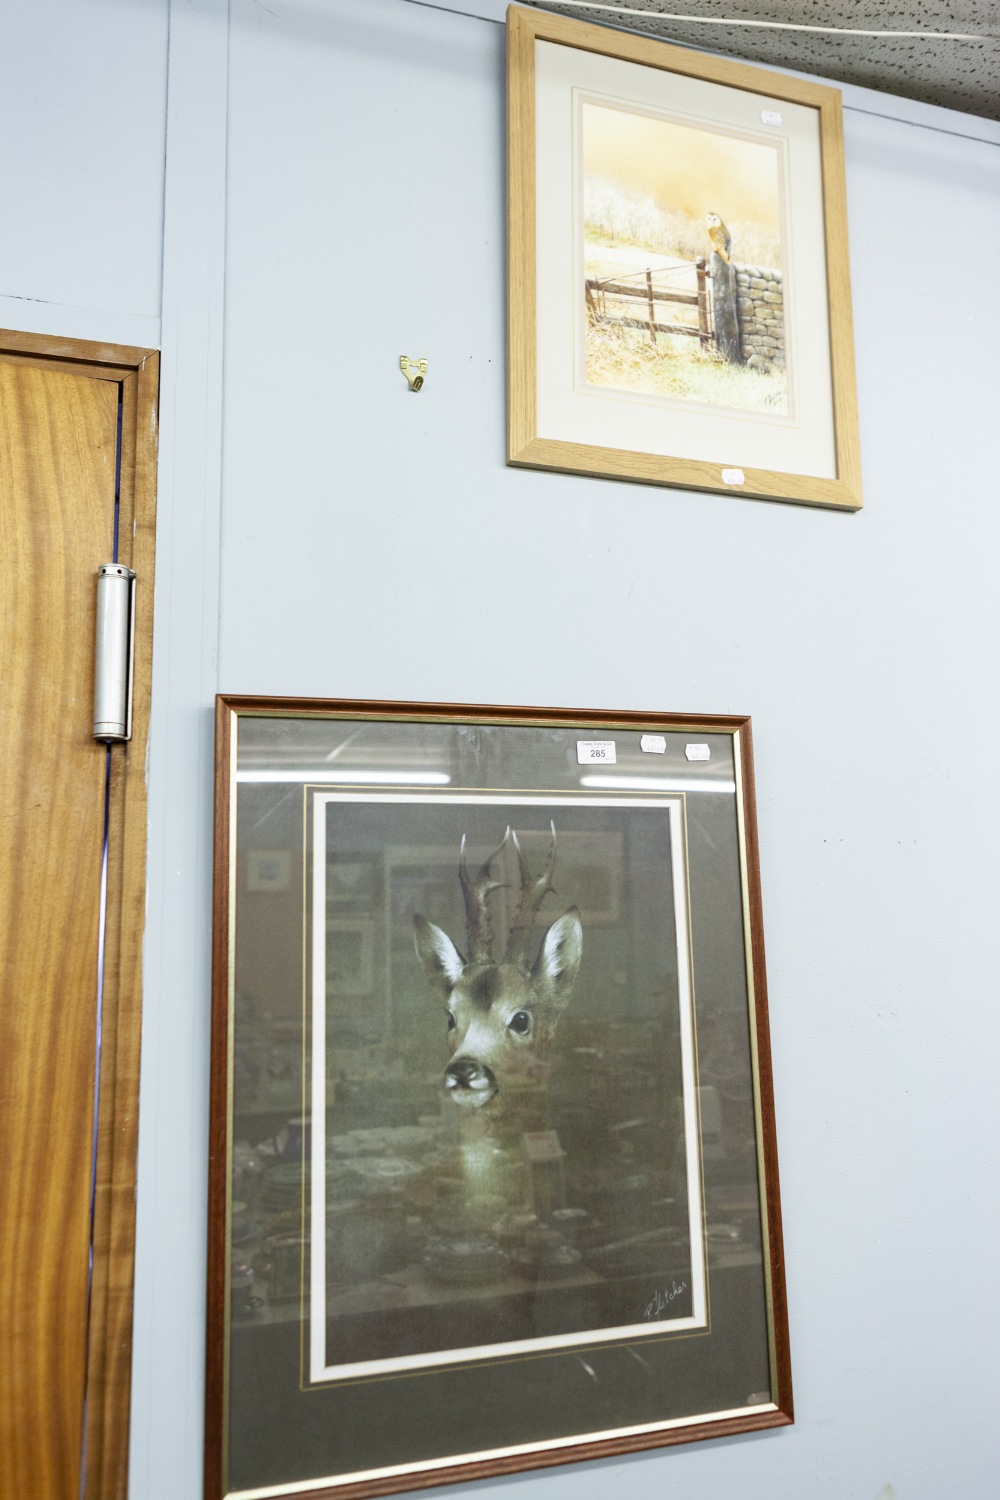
x=501, y=1015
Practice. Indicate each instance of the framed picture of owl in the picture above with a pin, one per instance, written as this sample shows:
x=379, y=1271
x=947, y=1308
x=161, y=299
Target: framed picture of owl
x=493, y=1176
x=679, y=302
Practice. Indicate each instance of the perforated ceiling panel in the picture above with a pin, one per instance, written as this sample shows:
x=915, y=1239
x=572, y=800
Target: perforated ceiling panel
x=958, y=75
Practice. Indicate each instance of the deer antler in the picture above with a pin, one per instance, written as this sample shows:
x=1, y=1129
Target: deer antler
x=533, y=893
x=478, y=921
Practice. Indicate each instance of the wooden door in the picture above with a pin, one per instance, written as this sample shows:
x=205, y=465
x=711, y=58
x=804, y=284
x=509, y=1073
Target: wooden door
x=69, y=458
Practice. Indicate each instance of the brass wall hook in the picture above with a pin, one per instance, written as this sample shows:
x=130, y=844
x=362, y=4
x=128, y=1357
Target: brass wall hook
x=414, y=370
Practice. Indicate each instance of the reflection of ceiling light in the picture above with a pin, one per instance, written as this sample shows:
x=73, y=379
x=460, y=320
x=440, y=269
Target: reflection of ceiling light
x=657, y=784
x=325, y=777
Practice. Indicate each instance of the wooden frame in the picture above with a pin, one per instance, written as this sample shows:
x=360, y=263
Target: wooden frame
x=709, y=457
x=285, y=1395
x=109, y=1354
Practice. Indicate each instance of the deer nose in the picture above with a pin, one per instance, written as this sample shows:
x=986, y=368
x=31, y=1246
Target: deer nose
x=469, y=1081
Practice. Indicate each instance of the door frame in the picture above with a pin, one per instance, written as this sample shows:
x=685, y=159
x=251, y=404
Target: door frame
x=109, y=1350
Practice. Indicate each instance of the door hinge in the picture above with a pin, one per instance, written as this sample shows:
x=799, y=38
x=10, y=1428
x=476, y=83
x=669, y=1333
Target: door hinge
x=114, y=651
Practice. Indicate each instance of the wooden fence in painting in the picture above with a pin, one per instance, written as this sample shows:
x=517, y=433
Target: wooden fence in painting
x=647, y=291
x=718, y=316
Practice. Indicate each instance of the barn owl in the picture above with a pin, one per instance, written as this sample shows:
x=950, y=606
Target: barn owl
x=719, y=235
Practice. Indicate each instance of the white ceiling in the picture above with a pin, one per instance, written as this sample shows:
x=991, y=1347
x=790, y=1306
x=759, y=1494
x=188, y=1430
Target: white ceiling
x=958, y=75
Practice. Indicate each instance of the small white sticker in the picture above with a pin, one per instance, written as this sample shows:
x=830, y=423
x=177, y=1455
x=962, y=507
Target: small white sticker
x=697, y=752
x=654, y=744
x=602, y=751
x=542, y=1145
x=770, y=117
x=733, y=476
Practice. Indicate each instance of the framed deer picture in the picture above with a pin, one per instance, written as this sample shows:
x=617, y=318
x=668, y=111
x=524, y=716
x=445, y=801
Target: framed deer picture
x=493, y=1176
x=679, y=301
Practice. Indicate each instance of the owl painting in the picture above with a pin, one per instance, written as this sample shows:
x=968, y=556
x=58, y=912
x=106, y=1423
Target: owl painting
x=719, y=235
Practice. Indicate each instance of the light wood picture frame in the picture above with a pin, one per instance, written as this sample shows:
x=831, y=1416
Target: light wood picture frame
x=679, y=300
x=466, y=1242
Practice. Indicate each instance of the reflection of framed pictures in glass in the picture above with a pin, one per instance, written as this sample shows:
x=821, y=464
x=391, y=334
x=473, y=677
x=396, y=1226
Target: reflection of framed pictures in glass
x=268, y=869
x=533, y=1179
x=679, y=303
x=351, y=883
x=349, y=950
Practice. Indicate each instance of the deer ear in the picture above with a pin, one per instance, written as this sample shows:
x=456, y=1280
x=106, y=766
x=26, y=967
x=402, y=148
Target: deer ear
x=441, y=960
x=558, y=961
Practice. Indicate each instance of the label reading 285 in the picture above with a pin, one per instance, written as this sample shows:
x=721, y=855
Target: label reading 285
x=601, y=752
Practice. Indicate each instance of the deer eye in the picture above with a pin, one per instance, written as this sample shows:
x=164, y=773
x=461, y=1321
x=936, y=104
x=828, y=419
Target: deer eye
x=451, y=1020
x=520, y=1022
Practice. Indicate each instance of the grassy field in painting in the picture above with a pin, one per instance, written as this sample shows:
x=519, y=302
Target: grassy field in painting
x=615, y=218
x=675, y=367
x=623, y=237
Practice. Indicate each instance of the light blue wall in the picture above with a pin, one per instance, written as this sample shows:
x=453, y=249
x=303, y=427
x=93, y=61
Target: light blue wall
x=334, y=198
x=82, y=107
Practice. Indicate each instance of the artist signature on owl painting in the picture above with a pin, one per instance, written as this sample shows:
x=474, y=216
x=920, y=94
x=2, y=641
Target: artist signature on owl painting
x=662, y=1300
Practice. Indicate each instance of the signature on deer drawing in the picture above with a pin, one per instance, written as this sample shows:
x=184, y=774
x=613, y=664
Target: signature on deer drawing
x=501, y=1014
